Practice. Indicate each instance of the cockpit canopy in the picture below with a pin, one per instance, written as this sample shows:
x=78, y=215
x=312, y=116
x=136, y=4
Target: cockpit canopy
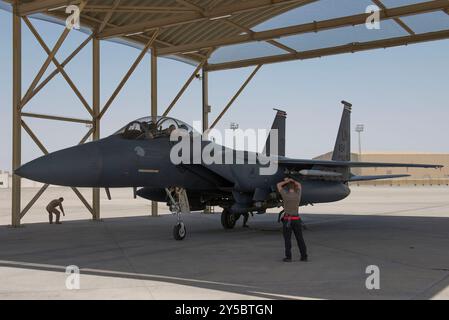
x=152, y=128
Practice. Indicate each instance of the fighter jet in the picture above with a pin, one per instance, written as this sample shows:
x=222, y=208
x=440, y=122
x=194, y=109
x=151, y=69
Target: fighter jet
x=139, y=156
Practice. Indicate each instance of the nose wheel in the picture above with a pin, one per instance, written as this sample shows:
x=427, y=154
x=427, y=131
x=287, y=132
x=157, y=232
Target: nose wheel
x=178, y=203
x=179, y=231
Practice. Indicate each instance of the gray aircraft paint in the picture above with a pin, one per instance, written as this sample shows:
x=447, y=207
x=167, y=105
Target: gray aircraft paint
x=116, y=162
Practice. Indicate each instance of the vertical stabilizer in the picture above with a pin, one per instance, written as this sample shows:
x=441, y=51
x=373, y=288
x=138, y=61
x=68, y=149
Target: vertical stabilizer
x=279, y=125
x=342, y=151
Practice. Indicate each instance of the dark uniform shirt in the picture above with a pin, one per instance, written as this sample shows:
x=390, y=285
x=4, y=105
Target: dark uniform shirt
x=53, y=205
x=291, y=202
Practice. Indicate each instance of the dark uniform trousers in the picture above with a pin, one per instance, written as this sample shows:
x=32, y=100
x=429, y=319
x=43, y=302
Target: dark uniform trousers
x=289, y=227
x=57, y=214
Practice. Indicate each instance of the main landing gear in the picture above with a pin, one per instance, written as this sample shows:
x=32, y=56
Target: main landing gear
x=228, y=219
x=179, y=203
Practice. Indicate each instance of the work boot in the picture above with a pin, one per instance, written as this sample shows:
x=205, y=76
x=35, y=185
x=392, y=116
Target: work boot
x=305, y=259
x=287, y=260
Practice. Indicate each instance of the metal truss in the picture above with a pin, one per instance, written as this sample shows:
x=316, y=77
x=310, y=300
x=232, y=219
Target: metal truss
x=19, y=104
x=186, y=30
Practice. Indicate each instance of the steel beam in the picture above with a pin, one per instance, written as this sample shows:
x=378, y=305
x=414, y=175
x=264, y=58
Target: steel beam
x=399, y=21
x=93, y=24
x=213, y=4
x=185, y=86
x=231, y=102
x=205, y=112
x=44, y=151
x=250, y=32
x=108, y=16
x=224, y=10
x=47, y=62
x=347, y=48
x=128, y=74
x=96, y=118
x=347, y=21
x=33, y=201
x=83, y=200
x=18, y=103
x=140, y=9
x=154, y=109
x=191, y=5
x=58, y=65
x=206, y=106
x=50, y=58
x=34, y=138
x=56, y=118
x=56, y=71
x=86, y=136
x=16, y=118
x=42, y=5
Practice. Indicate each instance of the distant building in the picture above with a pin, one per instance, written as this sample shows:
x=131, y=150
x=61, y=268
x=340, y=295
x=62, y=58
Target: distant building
x=4, y=180
x=418, y=176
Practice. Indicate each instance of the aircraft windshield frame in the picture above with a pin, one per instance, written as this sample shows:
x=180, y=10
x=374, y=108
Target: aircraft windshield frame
x=147, y=128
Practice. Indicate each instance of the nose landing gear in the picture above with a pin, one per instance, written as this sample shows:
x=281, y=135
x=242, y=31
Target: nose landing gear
x=228, y=219
x=179, y=203
x=179, y=231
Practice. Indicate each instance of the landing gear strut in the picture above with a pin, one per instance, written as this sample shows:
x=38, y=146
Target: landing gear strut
x=228, y=219
x=176, y=207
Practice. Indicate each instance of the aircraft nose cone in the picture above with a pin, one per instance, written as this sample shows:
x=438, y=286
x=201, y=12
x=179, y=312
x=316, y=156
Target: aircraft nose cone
x=74, y=167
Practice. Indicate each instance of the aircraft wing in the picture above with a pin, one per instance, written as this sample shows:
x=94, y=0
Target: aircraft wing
x=305, y=164
x=371, y=178
x=208, y=175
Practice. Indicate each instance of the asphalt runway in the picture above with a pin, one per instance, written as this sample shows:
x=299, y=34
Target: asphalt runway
x=129, y=255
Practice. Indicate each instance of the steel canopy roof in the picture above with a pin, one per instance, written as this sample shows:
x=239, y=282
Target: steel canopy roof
x=239, y=33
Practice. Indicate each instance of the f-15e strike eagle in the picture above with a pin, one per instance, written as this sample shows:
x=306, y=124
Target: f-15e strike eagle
x=138, y=156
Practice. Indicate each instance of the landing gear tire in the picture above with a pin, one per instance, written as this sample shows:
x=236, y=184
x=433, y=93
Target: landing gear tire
x=228, y=219
x=179, y=232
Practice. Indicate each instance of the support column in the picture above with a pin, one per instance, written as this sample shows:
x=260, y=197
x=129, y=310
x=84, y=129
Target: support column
x=205, y=112
x=16, y=120
x=96, y=118
x=206, y=107
x=154, y=109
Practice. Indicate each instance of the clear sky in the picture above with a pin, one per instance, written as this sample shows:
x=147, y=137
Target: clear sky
x=400, y=94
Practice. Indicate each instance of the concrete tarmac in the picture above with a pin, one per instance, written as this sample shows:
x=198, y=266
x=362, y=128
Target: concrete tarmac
x=129, y=255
